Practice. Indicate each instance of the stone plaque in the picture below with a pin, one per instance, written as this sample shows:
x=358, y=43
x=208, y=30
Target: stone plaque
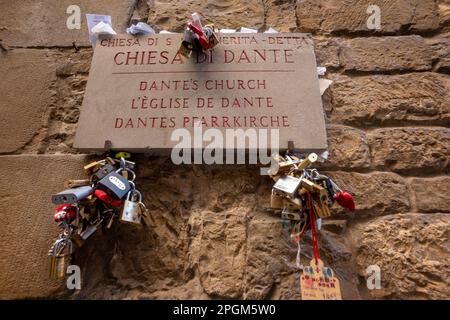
x=140, y=90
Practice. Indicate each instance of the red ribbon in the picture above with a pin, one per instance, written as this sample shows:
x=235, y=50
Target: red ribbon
x=312, y=222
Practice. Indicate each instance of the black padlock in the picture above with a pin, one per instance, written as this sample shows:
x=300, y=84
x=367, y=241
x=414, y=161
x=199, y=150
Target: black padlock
x=102, y=172
x=115, y=185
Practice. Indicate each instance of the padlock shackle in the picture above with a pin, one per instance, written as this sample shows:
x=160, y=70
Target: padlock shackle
x=128, y=170
x=133, y=191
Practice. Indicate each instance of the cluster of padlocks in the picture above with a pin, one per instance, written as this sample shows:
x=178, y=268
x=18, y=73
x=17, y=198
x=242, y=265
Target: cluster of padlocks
x=303, y=195
x=198, y=38
x=92, y=204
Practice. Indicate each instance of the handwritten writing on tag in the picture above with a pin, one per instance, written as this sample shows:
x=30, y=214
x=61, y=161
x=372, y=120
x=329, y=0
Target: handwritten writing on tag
x=319, y=283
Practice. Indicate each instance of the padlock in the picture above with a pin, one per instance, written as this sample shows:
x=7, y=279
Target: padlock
x=344, y=199
x=103, y=196
x=76, y=183
x=318, y=210
x=125, y=164
x=208, y=30
x=90, y=230
x=289, y=215
x=62, y=261
x=322, y=202
x=132, y=209
x=276, y=201
x=65, y=212
x=288, y=185
x=329, y=187
x=312, y=187
x=200, y=36
x=187, y=44
x=311, y=158
x=93, y=166
x=60, y=257
x=102, y=172
x=115, y=184
x=73, y=195
x=292, y=203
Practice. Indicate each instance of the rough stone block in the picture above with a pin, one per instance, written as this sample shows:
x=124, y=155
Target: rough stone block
x=347, y=148
x=375, y=193
x=432, y=195
x=416, y=98
x=43, y=22
x=26, y=97
x=173, y=15
x=412, y=252
x=410, y=150
x=26, y=225
x=339, y=16
x=376, y=54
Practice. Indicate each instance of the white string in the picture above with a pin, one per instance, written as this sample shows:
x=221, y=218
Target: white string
x=297, y=260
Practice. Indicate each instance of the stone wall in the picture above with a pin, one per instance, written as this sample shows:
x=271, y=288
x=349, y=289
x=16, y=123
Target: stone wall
x=388, y=119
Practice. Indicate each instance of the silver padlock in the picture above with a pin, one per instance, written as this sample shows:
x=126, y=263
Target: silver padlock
x=132, y=211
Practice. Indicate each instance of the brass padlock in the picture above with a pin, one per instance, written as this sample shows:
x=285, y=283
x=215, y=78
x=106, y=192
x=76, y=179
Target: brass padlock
x=311, y=158
x=93, y=166
x=62, y=261
x=76, y=183
x=276, y=201
x=187, y=44
x=292, y=204
x=281, y=167
x=208, y=30
x=60, y=257
x=322, y=209
x=311, y=186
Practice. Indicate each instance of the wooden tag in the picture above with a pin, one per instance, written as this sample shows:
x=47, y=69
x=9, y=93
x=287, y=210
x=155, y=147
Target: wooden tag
x=319, y=283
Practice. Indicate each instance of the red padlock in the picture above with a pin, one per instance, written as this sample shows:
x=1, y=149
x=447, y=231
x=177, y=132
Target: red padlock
x=201, y=36
x=345, y=200
x=103, y=196
x=65, y=212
